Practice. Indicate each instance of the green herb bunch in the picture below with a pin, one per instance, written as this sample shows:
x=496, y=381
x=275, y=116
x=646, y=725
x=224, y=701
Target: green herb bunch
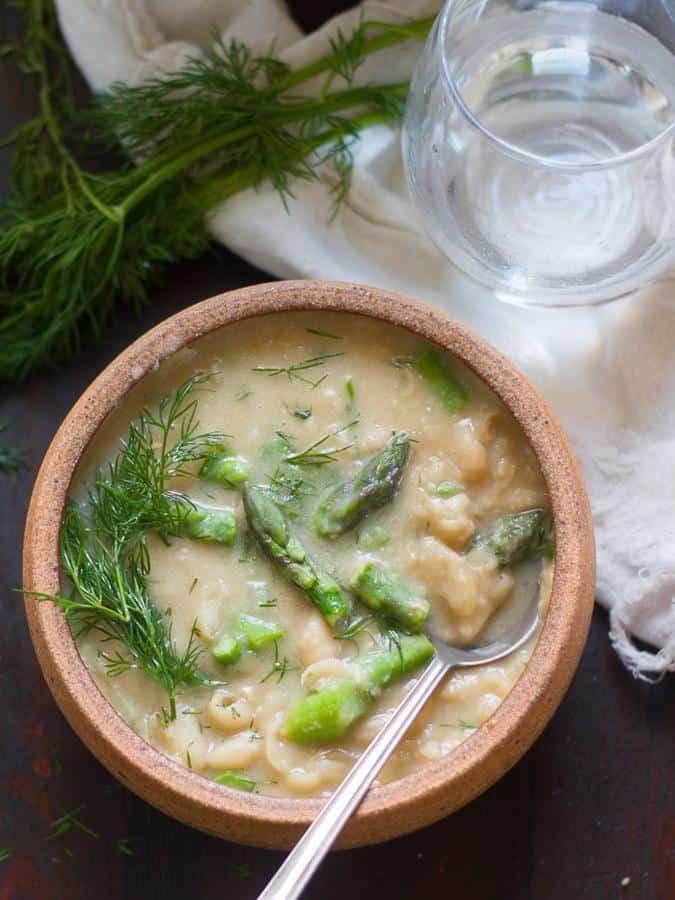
x=74, y=242
x=104, y=551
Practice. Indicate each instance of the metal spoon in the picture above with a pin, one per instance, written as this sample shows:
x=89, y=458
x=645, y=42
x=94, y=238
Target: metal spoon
x=504, y=634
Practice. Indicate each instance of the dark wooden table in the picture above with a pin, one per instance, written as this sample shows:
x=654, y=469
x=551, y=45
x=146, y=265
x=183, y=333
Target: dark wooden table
x=592, y=804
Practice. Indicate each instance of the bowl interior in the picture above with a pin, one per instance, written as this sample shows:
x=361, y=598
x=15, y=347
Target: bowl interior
x=396, y=807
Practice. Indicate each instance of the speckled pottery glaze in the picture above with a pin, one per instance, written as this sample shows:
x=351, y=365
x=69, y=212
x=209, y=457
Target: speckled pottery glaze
x=401, y=806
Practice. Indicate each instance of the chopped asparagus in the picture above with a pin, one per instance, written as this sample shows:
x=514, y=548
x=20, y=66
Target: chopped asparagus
x=204, y=524
x=430, y=365
x=449, y=489
x=246, y=632
x=226, y=650
x=329, y=713
x=236, y=780
x=257, y=633
x=345, y=506
x=373, y=538
x=511, y=537
x=384, y=591
x=381, y=668
x=224, y=467
x=274, y=535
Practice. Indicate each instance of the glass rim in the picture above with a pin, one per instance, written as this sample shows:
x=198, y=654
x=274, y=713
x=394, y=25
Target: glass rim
x=513, y=150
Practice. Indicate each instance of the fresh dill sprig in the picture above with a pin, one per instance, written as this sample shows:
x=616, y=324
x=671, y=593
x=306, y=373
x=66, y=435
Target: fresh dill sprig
x=12, y=460
x=461, y=724
x=302, y=412
x=289, y=486
x=73, y=242
x=324, y=334
x=67, y=822
x=292, y=371
x=104, y=551
x=312, y=455
x=280, y=666
x=388, y=632
x=317, y=454
x=271, y=603
x=124, y=847
x=5, y=854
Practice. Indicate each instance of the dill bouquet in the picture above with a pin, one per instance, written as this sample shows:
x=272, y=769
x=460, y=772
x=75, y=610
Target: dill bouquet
x=74, y=242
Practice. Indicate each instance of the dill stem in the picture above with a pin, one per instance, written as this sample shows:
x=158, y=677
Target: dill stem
x=247, y=177
x=295, y=112
x=52, y=127
x=414, y=29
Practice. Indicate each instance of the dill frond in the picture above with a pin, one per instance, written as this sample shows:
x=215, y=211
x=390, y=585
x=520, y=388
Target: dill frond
x=73, y=242
x=293, y=371
x=104, y=552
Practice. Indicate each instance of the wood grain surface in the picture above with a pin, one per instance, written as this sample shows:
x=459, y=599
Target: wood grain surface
x=592, y=804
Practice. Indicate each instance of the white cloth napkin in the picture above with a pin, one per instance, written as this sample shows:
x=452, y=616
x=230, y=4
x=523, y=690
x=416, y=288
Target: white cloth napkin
x=609, y=372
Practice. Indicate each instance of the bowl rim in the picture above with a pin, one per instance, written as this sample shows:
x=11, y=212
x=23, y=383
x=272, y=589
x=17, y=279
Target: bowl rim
x=400, y=806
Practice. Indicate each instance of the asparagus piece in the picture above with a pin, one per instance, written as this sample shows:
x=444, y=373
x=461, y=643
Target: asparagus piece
x=257, y=633
x=449, y=489
x=227, y=650
x=224, y=467
x=217, y=525
x=373, y=538
x=273, y=533
x=246, y=632
x=430, y=365
x=328, y=714
x=345, y=506
x=511, y=537
x=236, y=780
x=384, y=591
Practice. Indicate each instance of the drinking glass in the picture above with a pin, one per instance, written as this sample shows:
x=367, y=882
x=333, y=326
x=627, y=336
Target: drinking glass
x=538, y=145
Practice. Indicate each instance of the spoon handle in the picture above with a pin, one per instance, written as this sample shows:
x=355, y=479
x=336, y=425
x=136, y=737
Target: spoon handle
x=302, y=861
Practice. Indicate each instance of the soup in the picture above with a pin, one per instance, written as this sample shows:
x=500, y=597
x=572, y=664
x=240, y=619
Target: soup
x=333, y=489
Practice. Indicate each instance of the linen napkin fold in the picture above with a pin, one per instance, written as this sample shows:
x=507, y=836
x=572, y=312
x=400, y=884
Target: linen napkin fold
x=608, y=372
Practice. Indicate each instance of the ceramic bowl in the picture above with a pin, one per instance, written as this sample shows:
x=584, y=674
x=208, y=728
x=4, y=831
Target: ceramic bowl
x=398, y=807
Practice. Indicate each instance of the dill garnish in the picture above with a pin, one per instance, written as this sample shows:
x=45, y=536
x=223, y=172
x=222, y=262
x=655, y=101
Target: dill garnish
x=289, y=487
x=5, y=854
x=402, y=362
x=279, y=667
x=325, y=334
x=70, y=820
x=301, y=412
x=104, y=551
x=195, y=582
x=124, y=847
x=236, y=780
x=465, y=726
x=242, y=395
x=291, y=372
x=313, y=456
x=388, y=631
